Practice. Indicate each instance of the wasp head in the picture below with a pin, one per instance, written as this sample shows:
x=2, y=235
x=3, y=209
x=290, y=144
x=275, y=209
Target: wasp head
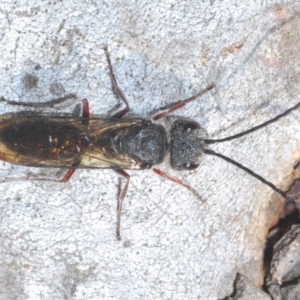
x=186, y=145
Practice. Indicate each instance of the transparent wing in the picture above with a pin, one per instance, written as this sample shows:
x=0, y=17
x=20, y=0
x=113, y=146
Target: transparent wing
x=59, y=141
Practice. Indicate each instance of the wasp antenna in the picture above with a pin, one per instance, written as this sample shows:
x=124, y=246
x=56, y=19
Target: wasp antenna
x=266, y=182
x=284, y=114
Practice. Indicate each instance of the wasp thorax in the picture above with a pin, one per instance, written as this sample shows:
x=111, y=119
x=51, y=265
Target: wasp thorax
x=145, y=141
x=186, y=145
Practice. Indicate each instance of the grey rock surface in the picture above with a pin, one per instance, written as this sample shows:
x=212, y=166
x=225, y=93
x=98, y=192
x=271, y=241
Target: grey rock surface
x=245, y=290
x=58, y=240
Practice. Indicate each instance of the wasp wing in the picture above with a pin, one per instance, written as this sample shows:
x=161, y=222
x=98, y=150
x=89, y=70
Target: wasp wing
x=64, y=141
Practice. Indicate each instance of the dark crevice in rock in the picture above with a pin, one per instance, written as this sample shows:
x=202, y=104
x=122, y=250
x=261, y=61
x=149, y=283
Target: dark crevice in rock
x=289, y=217
x=275, y=234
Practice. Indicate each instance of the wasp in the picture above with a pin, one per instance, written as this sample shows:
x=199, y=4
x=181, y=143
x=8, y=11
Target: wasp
x=74, y=142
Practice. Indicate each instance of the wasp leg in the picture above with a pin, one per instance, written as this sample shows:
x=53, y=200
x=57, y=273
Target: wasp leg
x=178, y=181
x=116, y=89
x=120, y=201
x=55, y=102
x=52, y=103
x=70, y=172
x=85, y=112
x=177, y=105
x=66, y=178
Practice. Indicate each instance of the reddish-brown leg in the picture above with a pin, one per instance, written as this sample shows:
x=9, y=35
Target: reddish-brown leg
x=66, y=178
x=120, y=201
x=85, y=109
x=176, y=180
x=51, y=103
x=85, y=112
x=177, y=105
x=69, y=174
x=116, y=89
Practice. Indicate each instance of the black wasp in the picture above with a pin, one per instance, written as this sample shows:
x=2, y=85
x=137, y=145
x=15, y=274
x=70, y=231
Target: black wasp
x=73, y=142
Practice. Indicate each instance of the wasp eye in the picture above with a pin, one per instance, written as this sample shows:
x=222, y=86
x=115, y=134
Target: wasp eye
x=189, y=166
x=191, y=125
